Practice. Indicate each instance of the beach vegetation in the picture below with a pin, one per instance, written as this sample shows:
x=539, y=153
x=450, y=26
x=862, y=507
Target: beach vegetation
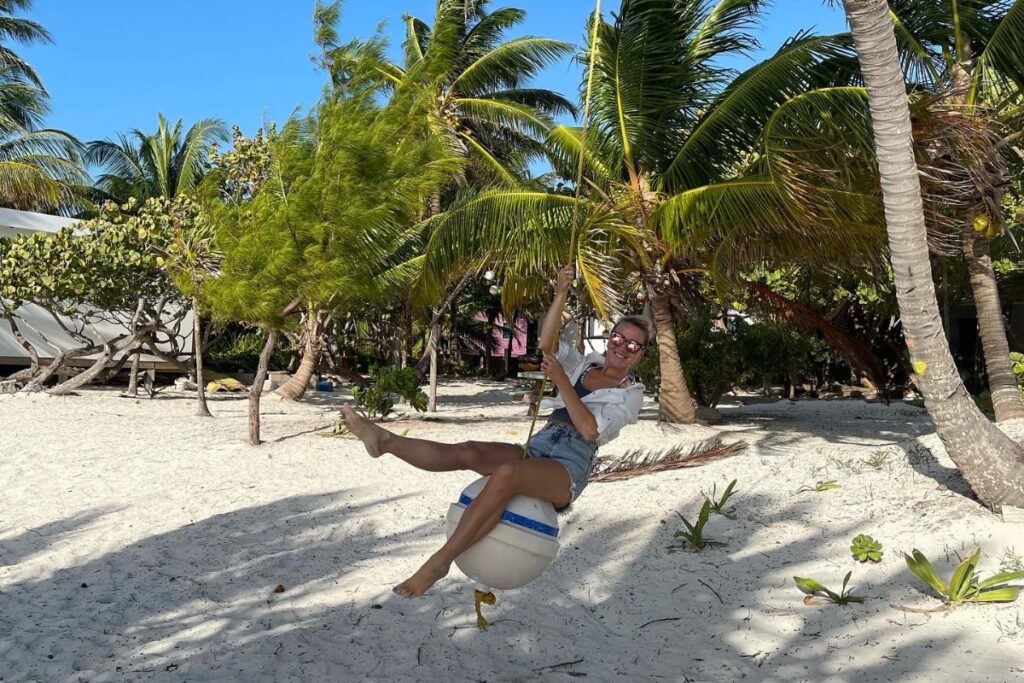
x=865, y=548
x=965, y=585
x=815, y=592
x=691, y=536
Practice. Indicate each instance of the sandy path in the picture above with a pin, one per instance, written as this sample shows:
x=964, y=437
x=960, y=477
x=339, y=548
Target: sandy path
x=140, y=543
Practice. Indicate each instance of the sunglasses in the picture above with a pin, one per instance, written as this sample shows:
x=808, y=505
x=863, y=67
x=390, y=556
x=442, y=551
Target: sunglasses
x=632, y=345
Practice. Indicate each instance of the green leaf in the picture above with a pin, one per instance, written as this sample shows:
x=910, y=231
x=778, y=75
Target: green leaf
x=963, y=575
x=997, y=595
x=923, y=569
x=809, y=586
x=1002, y=577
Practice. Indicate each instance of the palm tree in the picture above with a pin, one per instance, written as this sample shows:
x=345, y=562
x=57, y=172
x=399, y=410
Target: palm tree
x=23, y=31
x=969, y=52
x=165, y=165
x=481, y=84
x=991, y=463
x=160, y=164
x=668, y=124
x=41, y=169
x=482, y=102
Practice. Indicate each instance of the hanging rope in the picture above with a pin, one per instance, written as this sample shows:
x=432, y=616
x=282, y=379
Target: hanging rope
x=573, y=246
x=481, y=597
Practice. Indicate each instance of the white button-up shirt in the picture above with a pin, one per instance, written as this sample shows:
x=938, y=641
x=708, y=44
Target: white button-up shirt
x=613, y=408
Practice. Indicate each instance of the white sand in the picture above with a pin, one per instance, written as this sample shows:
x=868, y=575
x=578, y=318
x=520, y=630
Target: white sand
x=140, y=543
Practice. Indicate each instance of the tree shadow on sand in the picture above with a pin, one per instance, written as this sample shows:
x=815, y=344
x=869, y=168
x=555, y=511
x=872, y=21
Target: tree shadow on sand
x=184, y=600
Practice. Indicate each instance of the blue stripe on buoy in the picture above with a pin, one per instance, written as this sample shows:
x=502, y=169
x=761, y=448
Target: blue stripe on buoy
x=518, y=520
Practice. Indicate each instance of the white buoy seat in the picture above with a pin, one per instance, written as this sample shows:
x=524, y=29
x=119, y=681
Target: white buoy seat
x=517, y=550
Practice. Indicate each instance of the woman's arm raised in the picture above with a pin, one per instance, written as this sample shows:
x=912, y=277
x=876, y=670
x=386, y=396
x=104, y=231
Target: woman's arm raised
x=553, y=319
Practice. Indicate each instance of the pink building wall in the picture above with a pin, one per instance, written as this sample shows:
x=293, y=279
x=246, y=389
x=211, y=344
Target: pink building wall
x=500, y=342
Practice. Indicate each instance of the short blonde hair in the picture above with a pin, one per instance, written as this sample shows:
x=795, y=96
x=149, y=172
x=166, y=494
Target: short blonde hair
x=638, y=321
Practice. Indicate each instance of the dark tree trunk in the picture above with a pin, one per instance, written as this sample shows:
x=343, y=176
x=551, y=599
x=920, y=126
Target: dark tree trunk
x=256, y=390
x=1006, y=399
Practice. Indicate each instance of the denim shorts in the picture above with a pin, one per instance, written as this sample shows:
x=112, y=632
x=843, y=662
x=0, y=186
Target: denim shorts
x=564, y=444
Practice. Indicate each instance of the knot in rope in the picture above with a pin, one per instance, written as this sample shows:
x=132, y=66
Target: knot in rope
x=482, y=598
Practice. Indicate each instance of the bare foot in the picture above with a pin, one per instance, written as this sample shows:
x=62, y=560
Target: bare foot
x=420, y=582
x=370, y=434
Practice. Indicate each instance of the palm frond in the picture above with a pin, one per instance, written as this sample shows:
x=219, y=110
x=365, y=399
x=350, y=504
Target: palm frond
x=191, y=159
x=500, y=170
x=509, y=64
x=920, y=63
x=637, y=462
x=564, y=146
x=417, y=38
x=1001, y=61
x=725, y=29
x=734, y=121
x=640, y=93
x=504, y=114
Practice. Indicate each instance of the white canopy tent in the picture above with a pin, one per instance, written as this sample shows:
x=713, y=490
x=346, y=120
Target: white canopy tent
x=45, y=334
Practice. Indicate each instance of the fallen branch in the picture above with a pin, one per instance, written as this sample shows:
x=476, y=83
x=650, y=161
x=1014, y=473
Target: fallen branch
x=639, y=461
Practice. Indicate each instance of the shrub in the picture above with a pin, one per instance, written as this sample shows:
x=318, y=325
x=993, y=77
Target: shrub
x=387, y=382
x=239, y=351
x=715, y=360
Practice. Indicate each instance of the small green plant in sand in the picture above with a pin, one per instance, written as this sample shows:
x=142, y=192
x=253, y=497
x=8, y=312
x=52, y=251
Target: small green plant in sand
x=877, y=461
x=820, y=486
x=865, y=548
x=964, y=585
x=816, y=594
x=693, y=537
x=718, y=504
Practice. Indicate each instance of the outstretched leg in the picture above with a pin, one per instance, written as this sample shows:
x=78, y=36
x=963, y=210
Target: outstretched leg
x=482, y=457
x=540, y=478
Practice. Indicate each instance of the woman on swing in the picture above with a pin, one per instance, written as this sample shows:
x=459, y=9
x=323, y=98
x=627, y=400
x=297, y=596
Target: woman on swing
x=597, y=397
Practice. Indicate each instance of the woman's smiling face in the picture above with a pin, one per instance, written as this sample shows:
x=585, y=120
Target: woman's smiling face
x=625, y=346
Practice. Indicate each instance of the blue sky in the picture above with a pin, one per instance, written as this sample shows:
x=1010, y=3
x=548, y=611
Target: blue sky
x=115, y=64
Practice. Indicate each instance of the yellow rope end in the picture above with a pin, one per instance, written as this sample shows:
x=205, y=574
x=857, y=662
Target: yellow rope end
x=482, y=597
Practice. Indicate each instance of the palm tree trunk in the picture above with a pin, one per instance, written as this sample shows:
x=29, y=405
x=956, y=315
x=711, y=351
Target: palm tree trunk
x=202, y=410
x=434, y=209
x=990, y=461
x=296, y=386
x=435, y=332
x=1006, y=399
x=675, y=404
x=256, y=390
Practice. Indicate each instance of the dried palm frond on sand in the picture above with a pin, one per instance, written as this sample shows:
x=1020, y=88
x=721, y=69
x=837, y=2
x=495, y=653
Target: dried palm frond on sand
x=641, y=461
